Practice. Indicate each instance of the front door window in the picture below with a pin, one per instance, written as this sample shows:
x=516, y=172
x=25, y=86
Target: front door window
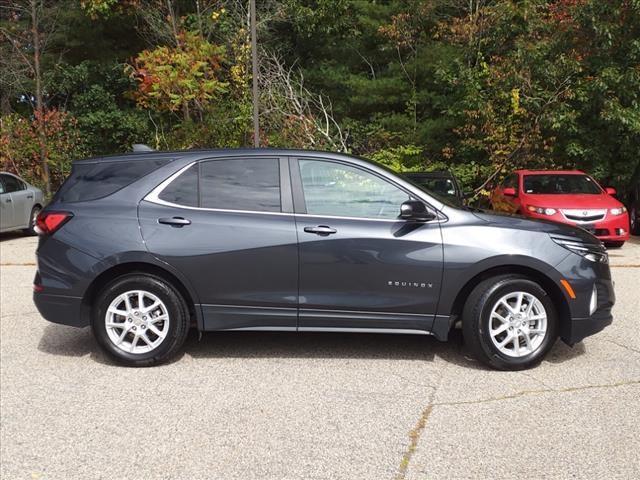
x=338, y=190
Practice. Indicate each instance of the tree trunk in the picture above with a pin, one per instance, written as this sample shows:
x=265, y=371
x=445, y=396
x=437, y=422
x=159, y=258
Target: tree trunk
x=39, y=101
x=5, y=103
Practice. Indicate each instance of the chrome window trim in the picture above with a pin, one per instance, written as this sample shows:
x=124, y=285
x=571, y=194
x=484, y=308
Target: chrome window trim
x=154, y=197
x=399, y=183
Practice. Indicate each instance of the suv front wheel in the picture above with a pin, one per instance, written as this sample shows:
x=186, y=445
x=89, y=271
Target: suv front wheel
x=140, y=320
x=509, y=322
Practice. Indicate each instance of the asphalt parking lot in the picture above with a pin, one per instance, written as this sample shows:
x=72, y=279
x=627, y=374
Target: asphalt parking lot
x=313, y=406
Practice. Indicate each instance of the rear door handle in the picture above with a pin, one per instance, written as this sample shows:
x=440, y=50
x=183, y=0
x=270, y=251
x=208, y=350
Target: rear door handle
x=320, y=230
x=8, y=200
x=175, y=221
x=29, y=196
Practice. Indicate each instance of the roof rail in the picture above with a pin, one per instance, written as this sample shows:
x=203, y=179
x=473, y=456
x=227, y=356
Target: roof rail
x=141, y=147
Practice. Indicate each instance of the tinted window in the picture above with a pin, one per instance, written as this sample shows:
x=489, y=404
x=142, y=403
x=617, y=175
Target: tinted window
x=560, y=184
x=89, y=181
x=340, y=190
x=241, y=184
x=184, y=189
x=12, y=184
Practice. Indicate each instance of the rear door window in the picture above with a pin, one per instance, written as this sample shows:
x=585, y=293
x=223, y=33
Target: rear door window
x=90, y=181
x=251, y=184
x=184, y=189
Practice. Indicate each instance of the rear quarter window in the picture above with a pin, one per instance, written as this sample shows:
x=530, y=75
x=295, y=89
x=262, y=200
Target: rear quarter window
x=91, y=181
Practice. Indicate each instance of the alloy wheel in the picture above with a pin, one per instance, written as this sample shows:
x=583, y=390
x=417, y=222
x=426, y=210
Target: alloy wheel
x=137, y=321
x=518, y=324
x=34, y=217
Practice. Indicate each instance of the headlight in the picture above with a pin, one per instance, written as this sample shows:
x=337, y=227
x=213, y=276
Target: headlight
x=618, y=211
x=591, y=251
x=542, y=210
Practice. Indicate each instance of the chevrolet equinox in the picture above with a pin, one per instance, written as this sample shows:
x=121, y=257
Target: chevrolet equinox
x=144, y=246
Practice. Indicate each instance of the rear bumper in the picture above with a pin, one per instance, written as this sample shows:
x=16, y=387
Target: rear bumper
x=60, y=309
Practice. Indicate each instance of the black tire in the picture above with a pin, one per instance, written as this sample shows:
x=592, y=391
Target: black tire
x=476, y=317
x=31, y=230
x=613, y=244
x=633, y=220
x=177, y=310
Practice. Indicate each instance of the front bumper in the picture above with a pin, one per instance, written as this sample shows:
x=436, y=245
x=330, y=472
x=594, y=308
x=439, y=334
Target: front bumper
x=613, y=228
x=580, y=328
x=583, y=275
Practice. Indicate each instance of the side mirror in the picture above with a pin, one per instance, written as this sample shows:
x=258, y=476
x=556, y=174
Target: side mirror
x=611, y=190
x=416, y=210
x=509, y=192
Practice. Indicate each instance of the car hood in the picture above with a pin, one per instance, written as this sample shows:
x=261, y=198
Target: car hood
x=573, y=201
x=519, y=222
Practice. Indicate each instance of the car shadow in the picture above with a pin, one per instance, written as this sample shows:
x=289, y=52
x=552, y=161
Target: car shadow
x=12, y=235
x=67, y=341
x=74, y=342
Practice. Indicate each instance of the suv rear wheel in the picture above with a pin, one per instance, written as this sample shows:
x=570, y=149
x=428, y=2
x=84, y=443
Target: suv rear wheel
x=509, y=322
x=140, y=320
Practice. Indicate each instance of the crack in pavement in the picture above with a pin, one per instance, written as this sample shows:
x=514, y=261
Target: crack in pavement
x=621, y=345
x=525, y=393
x=414, y=437
x=416, y=432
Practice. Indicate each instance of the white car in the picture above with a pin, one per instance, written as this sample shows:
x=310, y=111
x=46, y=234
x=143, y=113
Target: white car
x=20, y=204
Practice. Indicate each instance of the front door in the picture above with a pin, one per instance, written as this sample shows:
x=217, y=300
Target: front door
x=227, y=225
x=360, y=266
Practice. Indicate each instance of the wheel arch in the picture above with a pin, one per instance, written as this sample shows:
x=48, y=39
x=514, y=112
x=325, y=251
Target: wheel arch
x=115, y=271
x=547, y=283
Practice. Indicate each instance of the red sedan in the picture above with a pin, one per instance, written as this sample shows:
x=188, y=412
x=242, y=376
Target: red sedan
x=564, y=196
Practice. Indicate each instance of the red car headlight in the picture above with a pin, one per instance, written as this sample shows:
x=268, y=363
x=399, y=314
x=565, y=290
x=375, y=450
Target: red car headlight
x=542, y=210
x=618, y=211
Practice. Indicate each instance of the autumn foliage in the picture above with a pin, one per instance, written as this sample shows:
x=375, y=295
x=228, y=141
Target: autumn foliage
x=20, y=147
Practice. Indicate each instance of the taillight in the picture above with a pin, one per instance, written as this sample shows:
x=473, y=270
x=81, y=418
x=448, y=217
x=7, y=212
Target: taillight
x=48, y=222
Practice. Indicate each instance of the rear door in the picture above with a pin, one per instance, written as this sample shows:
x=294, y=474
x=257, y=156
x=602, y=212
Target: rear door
x=22, y=201
x=360, y=266
x=227, y=225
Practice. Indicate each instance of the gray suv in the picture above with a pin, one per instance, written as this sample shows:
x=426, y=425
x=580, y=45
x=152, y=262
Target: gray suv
x=145, y=246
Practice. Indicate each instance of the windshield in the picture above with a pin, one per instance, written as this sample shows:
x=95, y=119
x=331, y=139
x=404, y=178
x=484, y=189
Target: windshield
x=551, y=184
x=445, y=199
x=441, y=186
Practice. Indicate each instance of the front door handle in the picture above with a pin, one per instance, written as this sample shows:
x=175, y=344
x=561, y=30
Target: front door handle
x=320, y=230
x=177, y=222
x=8, y=200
